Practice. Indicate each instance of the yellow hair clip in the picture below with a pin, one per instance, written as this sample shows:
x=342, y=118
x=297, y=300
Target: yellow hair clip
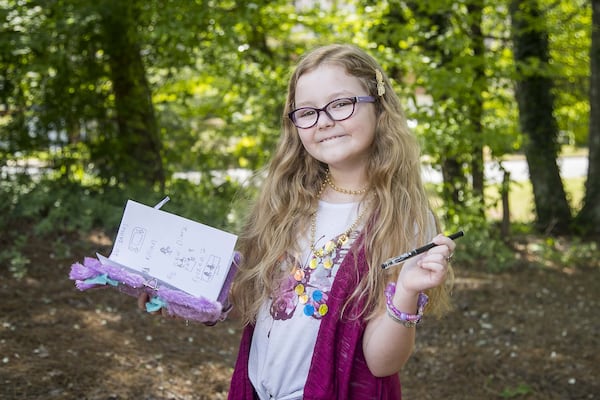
x=380, y=84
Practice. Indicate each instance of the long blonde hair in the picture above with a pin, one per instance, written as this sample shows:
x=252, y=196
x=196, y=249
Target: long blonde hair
x=399, y=206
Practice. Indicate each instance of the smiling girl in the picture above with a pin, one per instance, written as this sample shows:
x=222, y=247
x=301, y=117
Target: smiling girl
x=342, y=194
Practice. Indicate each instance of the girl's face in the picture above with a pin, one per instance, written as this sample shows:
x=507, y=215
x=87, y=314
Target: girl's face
x=340, y=144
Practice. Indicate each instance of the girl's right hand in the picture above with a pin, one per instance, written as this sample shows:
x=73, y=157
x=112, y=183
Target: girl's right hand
x=145, y=298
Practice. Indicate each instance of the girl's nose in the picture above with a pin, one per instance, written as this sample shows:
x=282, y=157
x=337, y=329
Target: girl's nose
x=324, y=120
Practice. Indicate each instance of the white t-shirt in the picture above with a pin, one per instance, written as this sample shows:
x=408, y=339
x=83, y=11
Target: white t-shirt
x=284, y=336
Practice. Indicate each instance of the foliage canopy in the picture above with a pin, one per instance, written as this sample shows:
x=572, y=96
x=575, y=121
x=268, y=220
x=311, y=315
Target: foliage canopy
x=113, y=98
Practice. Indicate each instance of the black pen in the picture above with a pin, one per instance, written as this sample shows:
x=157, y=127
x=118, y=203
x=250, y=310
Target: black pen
x=412, y=253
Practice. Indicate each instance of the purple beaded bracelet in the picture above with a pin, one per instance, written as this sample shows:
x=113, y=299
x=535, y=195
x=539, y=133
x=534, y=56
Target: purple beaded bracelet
x=408, y=320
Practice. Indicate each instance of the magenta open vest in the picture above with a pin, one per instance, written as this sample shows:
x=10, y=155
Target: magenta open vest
x=338, y=368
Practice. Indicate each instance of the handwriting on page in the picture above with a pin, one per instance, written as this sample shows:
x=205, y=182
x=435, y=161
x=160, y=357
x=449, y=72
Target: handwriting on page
x=180, y=252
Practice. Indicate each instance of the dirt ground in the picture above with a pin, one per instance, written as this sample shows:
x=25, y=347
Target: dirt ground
x=529, y=333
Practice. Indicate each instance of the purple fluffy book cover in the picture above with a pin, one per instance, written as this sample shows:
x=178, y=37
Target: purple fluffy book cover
x=185, y=266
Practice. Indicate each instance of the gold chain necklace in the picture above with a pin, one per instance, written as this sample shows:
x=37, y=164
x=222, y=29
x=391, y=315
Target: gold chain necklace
x=342, y=190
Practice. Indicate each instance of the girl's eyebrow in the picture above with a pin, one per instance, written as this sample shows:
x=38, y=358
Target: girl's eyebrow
x=332, y=96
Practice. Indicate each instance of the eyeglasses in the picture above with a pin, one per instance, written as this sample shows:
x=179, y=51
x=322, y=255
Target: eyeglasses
x=336, y=110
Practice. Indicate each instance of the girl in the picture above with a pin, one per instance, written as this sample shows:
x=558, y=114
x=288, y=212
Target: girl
x=342, y=194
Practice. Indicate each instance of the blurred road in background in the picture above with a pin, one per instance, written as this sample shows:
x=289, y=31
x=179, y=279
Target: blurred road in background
x=570, y=167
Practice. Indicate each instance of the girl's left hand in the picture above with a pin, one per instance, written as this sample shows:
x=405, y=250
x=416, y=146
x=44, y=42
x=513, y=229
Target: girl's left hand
x=429, y=269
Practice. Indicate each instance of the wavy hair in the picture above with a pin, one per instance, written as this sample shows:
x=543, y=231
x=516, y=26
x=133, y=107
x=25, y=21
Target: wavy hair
x=400, y=217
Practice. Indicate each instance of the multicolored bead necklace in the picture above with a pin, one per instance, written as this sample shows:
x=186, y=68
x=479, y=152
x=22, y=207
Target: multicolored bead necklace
x=315, y=305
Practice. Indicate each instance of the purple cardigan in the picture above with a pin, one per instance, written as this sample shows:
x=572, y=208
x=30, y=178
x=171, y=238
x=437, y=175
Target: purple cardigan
x=338, y=368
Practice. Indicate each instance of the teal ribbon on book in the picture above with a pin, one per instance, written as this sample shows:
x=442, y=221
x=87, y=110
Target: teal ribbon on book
x=101, y=280
x=155, y=304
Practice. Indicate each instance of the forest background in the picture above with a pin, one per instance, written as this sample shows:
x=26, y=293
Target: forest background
x=104, y=101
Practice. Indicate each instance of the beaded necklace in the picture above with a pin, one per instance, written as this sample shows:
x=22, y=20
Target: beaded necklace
x=322, y=255
x=315, y=305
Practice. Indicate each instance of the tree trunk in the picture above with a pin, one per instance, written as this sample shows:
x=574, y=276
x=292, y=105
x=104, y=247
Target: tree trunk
x=589, y=217
x=536, y=105
x=505, y=193
x=475, y=9
x=454, y=183
x=137, y=147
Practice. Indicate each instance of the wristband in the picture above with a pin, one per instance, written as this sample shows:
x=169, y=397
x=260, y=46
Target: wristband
x=406, y=319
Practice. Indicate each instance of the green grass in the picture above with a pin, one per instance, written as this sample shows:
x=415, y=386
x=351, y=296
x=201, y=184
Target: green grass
x=521, y=202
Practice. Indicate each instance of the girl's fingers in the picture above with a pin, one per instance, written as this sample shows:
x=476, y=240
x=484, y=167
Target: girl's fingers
x=442, y=240
x=145, y=298
x=142, y=300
